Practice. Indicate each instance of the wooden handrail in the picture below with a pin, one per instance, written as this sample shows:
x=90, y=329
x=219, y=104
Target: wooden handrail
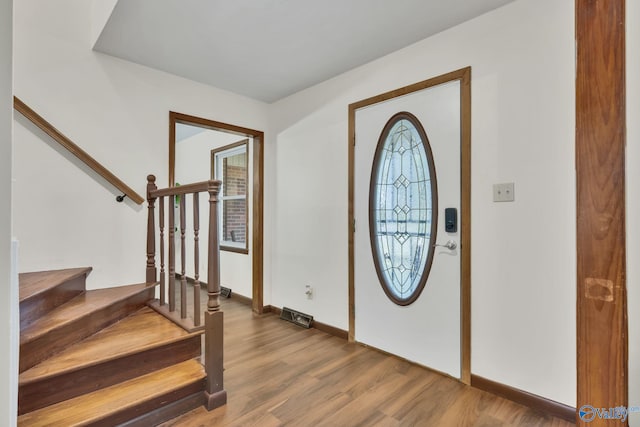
x=59, y=137
x=196, y=187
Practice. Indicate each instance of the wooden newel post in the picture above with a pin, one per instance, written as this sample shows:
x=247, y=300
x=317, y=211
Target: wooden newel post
x=213, y=268
x=152, y=275
x=215, y=395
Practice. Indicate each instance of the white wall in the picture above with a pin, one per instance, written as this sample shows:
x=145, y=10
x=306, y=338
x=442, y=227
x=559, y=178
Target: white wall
x=523, y=253
x=8, y=298
x=118, y=112
x=633, y=203
x=193, y=164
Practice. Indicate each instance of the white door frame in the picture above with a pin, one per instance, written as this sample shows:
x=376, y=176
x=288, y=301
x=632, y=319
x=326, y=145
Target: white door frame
x=464, y=76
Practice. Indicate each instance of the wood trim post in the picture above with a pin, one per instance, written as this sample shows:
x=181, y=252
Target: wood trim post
x=351, y=137
x=215, y=395
x=600, y=184
x=151, y=276
x=257, y=220
x=465, y=226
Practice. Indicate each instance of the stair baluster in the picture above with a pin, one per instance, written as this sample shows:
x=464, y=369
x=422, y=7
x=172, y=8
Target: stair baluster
x=163, y=291
x=151, y=276
x=183, y=256
x=196, y=259
x=172, y=254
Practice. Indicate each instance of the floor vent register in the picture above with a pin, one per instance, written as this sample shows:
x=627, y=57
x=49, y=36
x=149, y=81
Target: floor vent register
x=296, y=317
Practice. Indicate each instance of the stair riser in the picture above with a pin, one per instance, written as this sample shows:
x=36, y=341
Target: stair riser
x=149, y=406
x=39, y=394
x=167, y=412
x=38, y=305
x=38, y=349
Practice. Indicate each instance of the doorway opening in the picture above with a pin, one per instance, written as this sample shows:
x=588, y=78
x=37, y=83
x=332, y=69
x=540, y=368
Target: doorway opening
x=226, y=137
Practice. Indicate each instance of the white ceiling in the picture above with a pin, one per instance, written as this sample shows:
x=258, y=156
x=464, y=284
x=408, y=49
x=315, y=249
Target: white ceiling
x=269, y=49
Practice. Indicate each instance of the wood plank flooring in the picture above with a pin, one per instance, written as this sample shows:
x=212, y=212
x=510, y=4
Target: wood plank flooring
x=278, y=374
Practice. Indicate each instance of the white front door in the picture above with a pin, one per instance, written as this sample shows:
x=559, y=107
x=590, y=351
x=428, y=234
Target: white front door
x=428, y=330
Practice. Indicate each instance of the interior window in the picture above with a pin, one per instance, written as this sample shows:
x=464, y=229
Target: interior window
x=229, y=164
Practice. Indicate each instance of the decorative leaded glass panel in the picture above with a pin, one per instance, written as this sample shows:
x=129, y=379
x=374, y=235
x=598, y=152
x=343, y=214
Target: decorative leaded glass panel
x=403, y=208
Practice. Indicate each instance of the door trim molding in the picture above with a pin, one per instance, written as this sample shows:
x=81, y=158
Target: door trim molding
x=602, y=325
x=464, y=76
x=257, y=189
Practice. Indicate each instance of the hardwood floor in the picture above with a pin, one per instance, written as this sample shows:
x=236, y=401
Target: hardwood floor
x=279, y=374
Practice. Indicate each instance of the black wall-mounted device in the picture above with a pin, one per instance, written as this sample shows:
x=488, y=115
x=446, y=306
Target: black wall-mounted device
x=451, y=220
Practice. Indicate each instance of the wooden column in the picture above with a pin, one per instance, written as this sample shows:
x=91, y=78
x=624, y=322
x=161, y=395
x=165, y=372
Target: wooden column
x=215, y=395
x=600, y=178
x=151, y=275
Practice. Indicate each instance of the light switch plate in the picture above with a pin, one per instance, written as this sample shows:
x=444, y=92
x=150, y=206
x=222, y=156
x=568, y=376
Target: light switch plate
x=504, y=192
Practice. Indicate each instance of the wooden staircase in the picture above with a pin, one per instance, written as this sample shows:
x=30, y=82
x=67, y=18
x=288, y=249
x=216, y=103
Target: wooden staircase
x=101, y=357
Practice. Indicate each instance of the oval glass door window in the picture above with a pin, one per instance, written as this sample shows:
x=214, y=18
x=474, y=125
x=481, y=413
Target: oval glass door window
x=403, y=208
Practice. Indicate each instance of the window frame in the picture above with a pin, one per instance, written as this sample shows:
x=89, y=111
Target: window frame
x=217, y=155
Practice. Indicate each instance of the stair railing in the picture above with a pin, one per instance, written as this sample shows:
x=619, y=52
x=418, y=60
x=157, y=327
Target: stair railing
x=74, y=149
x=215, y=395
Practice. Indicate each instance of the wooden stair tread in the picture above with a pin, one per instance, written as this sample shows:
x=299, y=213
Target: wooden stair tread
x=101, y=404
x=34, y=283
x=139, y=331
x=78, y=307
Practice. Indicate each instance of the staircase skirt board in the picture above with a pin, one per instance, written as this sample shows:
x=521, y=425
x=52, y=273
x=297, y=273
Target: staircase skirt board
x=123, y=402
x=37, y=347
x=37, y=394
x=41, y=292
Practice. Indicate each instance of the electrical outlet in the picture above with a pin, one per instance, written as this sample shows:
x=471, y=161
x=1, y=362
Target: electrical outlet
x=504, y=192
x=308, y=291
